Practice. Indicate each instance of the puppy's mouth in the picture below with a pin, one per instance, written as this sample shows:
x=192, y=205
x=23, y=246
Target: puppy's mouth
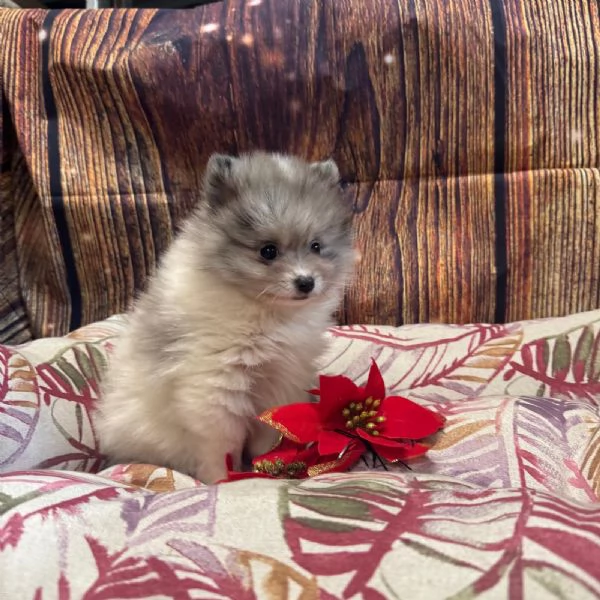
x=293, y=300
x=298, y=298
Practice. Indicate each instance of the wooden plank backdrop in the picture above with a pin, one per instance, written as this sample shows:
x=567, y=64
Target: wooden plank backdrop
x=467, y=133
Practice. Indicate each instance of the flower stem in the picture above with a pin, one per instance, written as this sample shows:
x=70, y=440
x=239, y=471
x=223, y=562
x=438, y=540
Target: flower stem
x=370, y=448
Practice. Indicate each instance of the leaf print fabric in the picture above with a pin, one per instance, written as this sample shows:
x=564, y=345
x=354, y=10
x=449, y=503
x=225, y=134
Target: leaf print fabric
x=47, y=393
x=504, y=505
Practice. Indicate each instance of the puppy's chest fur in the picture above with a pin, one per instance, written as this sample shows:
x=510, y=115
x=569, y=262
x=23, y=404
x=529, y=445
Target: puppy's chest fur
x=269, y=364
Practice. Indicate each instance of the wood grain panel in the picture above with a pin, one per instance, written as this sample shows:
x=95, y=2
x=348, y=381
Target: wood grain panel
x=110, y=170
x=446, y=232
x=181, y=75
x=341, y=78
x=448, y=59
x=377, y=297
x=376, y=86
x=14, y=323
x=452, y=122
x=431, y=258
x=552, y=156
x=42, y=278
x=14, y=326
x=553, y=79
x=554, y=242
x=430, y=97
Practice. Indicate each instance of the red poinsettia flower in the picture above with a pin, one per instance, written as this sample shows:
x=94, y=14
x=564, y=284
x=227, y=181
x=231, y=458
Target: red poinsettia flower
x=390, y=426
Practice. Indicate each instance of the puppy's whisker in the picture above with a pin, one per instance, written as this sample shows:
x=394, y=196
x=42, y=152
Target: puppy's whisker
x=266, y=290
x=275, y=297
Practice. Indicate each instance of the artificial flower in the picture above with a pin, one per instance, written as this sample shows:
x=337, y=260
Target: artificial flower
x=389, y=426
x=334, y=433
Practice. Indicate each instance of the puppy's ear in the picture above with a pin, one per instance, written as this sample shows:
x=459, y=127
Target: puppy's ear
x=219, y=183
x=326, y=170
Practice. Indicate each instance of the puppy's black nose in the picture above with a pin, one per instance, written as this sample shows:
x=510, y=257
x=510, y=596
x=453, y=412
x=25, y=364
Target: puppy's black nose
x=304, y=284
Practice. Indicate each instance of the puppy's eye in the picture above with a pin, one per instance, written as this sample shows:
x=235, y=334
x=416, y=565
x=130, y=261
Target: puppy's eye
x=315, y=247
x=269, y=252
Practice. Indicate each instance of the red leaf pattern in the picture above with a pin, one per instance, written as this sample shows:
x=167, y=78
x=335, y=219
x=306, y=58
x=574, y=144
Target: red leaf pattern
x=11, y=532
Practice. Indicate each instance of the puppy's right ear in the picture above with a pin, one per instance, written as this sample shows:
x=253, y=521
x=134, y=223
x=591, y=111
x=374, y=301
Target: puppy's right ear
x=219, y=185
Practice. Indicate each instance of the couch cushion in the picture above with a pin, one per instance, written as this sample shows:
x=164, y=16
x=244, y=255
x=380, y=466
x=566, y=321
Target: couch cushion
x=47, y=391
x=352, y=535
x=506, y=499
x=522, y=391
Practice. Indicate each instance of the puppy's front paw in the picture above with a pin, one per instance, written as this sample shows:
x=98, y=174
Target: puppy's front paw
x=211, y=466
x=209, y=473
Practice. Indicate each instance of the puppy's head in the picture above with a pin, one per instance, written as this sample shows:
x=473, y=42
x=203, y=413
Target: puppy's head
x=280, y=229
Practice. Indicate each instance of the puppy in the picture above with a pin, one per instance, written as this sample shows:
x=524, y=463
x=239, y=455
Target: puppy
x=234, y=320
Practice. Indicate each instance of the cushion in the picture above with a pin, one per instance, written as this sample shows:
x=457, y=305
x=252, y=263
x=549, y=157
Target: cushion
x=466, y=132
x=504, y=504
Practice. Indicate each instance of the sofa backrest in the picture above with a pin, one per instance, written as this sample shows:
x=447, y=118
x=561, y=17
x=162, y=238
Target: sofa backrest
x=467, y=134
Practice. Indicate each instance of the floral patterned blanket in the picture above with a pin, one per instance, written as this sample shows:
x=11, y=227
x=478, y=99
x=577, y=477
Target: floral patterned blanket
x=505, y=504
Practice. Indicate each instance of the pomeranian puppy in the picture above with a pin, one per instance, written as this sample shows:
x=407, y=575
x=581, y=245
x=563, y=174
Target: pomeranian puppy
x=233, y=322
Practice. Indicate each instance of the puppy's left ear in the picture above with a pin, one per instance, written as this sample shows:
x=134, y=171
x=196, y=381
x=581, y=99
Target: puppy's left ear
x=327, y=170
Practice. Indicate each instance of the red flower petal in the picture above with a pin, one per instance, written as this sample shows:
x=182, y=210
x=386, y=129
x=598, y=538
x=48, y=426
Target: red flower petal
x=289, y=452
x=379, y=440
x=334, y=464
x=331, y=442
x=404, y=452
x=297, y=422
x=407, y=419
x=375, y=387
x=336, y=393
x=393, y=450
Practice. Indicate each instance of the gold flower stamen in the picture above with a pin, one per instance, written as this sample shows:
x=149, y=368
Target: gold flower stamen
x=364, y=415
x=277, y=468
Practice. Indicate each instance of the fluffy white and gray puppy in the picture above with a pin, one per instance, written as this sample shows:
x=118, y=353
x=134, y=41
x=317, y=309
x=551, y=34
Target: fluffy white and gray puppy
x=233, y=322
